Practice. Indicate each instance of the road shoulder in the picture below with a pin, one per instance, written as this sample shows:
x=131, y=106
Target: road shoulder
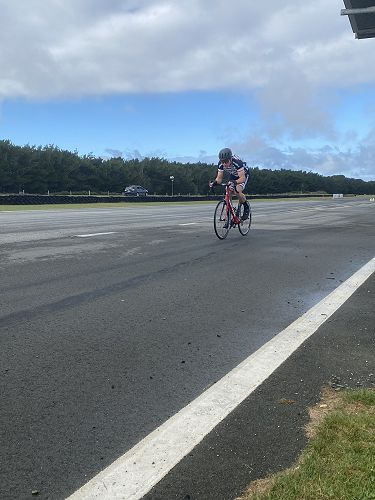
x=265, y=434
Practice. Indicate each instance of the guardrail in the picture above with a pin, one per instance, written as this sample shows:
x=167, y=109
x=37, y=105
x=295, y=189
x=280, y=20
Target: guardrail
x=34, y=199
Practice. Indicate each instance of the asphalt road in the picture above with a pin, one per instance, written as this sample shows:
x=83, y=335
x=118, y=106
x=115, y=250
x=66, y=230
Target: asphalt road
x=265, y=434
x=105, y=336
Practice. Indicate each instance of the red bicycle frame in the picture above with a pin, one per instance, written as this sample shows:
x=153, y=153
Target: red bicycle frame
x=228, y=215
x=233, y=218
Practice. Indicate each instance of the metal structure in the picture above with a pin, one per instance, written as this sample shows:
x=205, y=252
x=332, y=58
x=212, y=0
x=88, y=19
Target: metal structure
x=361, y=16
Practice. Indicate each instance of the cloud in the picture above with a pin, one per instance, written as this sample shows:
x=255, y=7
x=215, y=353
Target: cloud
x=292, y=56
x=260, y=152
x=327, y=160
x=290, y=103
x=81, y=47
x=132, y=154
x=112, y=153
x=287, y=52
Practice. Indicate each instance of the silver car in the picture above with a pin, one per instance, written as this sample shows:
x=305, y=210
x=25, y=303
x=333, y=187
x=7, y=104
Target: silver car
x=135, y=191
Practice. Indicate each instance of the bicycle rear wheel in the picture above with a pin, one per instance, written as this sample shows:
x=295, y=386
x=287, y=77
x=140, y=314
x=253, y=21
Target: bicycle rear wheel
x=244, y=225
x=220, y=220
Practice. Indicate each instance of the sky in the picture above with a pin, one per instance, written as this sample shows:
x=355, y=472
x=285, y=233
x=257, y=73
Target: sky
x=284, y=83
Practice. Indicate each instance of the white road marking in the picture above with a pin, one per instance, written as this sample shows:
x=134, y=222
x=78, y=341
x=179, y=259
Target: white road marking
x=93, y=234
x=134, y=474
x=188, y=223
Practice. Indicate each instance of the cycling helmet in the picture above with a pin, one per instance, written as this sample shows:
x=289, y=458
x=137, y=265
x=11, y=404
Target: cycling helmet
x=225, y=154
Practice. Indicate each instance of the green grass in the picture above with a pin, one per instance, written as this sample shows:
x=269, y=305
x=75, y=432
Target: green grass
x=129, y=204
x=361, y=396
x=96, y=205
x=339, y=461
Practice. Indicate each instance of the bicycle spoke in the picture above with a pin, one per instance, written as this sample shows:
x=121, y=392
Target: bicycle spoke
x=221, y=225
x=244, y=225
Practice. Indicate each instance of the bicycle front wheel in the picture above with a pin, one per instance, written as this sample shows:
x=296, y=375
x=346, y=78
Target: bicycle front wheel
x=221, y=223
x=244, y=225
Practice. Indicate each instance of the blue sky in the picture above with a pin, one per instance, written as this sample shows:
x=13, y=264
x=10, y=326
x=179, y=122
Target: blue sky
x=284, y=84
x=170, y=124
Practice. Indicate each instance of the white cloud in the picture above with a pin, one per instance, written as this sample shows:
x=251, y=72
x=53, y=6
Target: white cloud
x=73, y=47
x=290, y=54
x=358, y=162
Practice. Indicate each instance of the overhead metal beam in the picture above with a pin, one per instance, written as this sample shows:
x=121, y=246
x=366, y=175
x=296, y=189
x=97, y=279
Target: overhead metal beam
x=365, y=34
x=367, y=10
x=361, y=15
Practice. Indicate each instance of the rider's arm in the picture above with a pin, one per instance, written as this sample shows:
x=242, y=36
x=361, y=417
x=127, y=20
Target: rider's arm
x=219, y=176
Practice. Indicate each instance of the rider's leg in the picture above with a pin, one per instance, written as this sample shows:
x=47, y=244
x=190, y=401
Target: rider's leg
x=241, y=196
x=227, y=216
x=242, y=200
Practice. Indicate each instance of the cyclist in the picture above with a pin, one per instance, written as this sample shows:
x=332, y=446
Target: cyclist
x=238, y=176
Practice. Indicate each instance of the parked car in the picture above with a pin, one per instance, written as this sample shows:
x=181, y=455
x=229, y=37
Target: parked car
x=135, y=191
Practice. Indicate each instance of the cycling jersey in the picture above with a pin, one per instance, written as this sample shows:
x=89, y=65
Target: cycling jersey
x=232, y=169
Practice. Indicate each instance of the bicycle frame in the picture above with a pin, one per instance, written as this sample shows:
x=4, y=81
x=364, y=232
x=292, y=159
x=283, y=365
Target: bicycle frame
x=228, y=215
x=231, y=213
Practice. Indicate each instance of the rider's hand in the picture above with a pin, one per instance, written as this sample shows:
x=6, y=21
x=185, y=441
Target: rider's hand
x=212, y=184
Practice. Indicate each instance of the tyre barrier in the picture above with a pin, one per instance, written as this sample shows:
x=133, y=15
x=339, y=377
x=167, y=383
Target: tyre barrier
x=29, y=199
x=33, y=199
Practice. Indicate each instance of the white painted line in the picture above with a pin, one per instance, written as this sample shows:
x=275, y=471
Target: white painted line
x=134, y=474
x=93, y=234
x=188, y=223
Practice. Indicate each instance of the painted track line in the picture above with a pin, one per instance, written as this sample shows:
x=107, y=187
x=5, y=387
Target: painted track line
x=134, y=474
x=93, y=234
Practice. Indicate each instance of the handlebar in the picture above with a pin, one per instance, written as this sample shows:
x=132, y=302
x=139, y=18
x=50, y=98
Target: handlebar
x=224, y=184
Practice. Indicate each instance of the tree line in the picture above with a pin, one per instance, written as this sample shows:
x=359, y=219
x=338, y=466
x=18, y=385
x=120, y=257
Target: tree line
x=42, y=169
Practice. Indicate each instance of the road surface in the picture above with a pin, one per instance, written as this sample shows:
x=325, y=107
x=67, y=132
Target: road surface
x=112, y=320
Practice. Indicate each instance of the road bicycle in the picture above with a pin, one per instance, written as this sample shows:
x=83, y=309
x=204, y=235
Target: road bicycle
x=227, y=216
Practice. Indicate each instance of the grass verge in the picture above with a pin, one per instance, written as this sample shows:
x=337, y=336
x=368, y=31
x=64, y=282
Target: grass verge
x=339, y=461
x=67, y=206
x=54, y=206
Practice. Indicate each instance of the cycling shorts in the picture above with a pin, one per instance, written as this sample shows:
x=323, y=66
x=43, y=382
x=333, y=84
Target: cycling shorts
x=242, y=184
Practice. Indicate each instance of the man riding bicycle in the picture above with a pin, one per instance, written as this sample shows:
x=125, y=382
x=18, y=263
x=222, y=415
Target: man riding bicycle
x=238, y=176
